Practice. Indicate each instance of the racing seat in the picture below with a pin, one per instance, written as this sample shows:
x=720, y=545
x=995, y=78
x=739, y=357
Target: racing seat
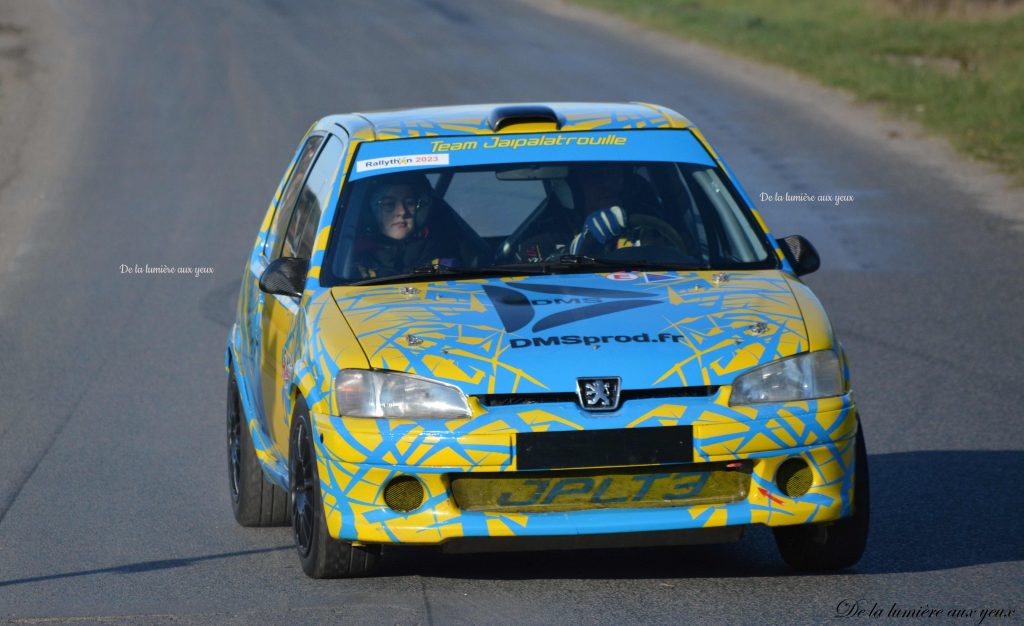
x=455, y=234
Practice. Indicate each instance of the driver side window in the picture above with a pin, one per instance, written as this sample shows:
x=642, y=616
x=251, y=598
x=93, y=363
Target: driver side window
x=291, y=191
x=312, y=202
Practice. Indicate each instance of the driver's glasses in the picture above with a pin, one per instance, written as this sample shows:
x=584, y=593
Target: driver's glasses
x=390, y=204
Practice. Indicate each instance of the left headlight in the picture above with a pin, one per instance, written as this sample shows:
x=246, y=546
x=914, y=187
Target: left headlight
x=801, y=377
x=366, y=393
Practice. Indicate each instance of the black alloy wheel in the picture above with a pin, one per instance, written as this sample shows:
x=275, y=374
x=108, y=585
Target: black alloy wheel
x=835, y=545
x=234, y=423
x=303, y=495
x=320, y=554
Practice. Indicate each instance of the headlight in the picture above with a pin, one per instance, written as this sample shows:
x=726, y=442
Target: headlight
x=801, y=377
x=365, y=393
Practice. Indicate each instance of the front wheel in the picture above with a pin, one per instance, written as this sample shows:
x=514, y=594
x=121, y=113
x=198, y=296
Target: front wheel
x=321, y=555
x=835, y=545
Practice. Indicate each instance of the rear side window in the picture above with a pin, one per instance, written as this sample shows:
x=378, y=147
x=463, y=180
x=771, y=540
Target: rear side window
x=291, y=190
x=312, y=201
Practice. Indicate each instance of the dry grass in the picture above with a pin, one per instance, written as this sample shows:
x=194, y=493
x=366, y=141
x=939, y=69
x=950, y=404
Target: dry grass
x=952, y=65
x=965, y=9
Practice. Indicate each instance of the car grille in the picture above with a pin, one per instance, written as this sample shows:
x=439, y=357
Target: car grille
x=510, y=399
x=576, y=490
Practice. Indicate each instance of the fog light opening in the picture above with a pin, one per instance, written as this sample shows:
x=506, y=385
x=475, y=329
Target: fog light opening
x=403, y=494
x=794, y=477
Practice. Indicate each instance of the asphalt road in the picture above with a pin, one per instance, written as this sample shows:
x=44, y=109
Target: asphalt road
x=113, y=493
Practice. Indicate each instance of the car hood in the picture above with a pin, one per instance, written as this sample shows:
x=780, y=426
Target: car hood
x=540, y=333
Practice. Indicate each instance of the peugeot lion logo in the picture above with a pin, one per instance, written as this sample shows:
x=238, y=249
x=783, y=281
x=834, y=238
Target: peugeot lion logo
x=599, y=394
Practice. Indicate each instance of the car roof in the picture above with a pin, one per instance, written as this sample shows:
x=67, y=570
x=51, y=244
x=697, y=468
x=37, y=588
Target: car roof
x=489, y=119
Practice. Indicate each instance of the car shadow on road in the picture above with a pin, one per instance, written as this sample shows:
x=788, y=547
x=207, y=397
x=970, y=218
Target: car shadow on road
x=944, y=509
x=142, y=566
x=930, y=511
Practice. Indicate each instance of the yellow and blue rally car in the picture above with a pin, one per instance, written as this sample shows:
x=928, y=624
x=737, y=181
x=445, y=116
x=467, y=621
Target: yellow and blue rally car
x=533, y=326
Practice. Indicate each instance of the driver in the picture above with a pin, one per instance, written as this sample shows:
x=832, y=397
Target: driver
x=602, y=185
x=603, y=195
x=397, y=238
x=607, y=203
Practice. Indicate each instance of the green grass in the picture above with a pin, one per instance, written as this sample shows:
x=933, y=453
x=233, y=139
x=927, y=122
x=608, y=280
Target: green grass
x=962, y=77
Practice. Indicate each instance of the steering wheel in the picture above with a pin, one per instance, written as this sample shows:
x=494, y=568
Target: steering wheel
x=646, y=229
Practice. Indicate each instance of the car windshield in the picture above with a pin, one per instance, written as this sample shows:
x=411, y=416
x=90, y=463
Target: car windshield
x=626, y=200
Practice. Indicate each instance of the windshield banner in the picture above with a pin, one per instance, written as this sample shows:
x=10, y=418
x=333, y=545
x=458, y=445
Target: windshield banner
x=397, y=155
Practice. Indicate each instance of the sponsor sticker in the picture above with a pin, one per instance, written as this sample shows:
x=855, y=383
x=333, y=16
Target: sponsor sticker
x=518, y=307
x=405, y=160
x=622, y=276
x=666, y=146
x=657, y=278
x=592, y=340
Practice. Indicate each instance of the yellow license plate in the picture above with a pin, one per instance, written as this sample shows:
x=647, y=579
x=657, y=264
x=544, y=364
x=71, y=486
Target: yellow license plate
x=679, y=485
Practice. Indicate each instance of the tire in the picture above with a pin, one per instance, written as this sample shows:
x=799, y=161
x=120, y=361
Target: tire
x=834, y=545
x=255, y=501
x=321, y=555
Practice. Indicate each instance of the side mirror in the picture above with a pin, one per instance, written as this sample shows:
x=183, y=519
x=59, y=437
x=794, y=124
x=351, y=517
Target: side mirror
x=285, y=276
x=800, y=254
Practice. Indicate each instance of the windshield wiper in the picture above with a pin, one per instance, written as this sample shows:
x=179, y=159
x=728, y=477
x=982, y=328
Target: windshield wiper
x=575, y=260
x=437, y=269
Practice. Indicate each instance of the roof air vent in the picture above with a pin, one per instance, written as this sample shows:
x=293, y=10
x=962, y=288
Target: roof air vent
x=522, y=114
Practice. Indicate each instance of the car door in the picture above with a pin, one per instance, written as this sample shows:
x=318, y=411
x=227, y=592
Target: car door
x=252, y=299
x=295, y=239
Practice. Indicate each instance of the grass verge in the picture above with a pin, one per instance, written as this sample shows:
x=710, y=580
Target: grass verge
x=957, y=72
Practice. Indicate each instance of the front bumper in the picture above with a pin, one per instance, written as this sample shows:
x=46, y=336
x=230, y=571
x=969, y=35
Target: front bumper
x=358, y=457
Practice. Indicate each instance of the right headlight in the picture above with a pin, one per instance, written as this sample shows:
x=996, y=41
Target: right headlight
x=801, y=377
x=370, y=393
